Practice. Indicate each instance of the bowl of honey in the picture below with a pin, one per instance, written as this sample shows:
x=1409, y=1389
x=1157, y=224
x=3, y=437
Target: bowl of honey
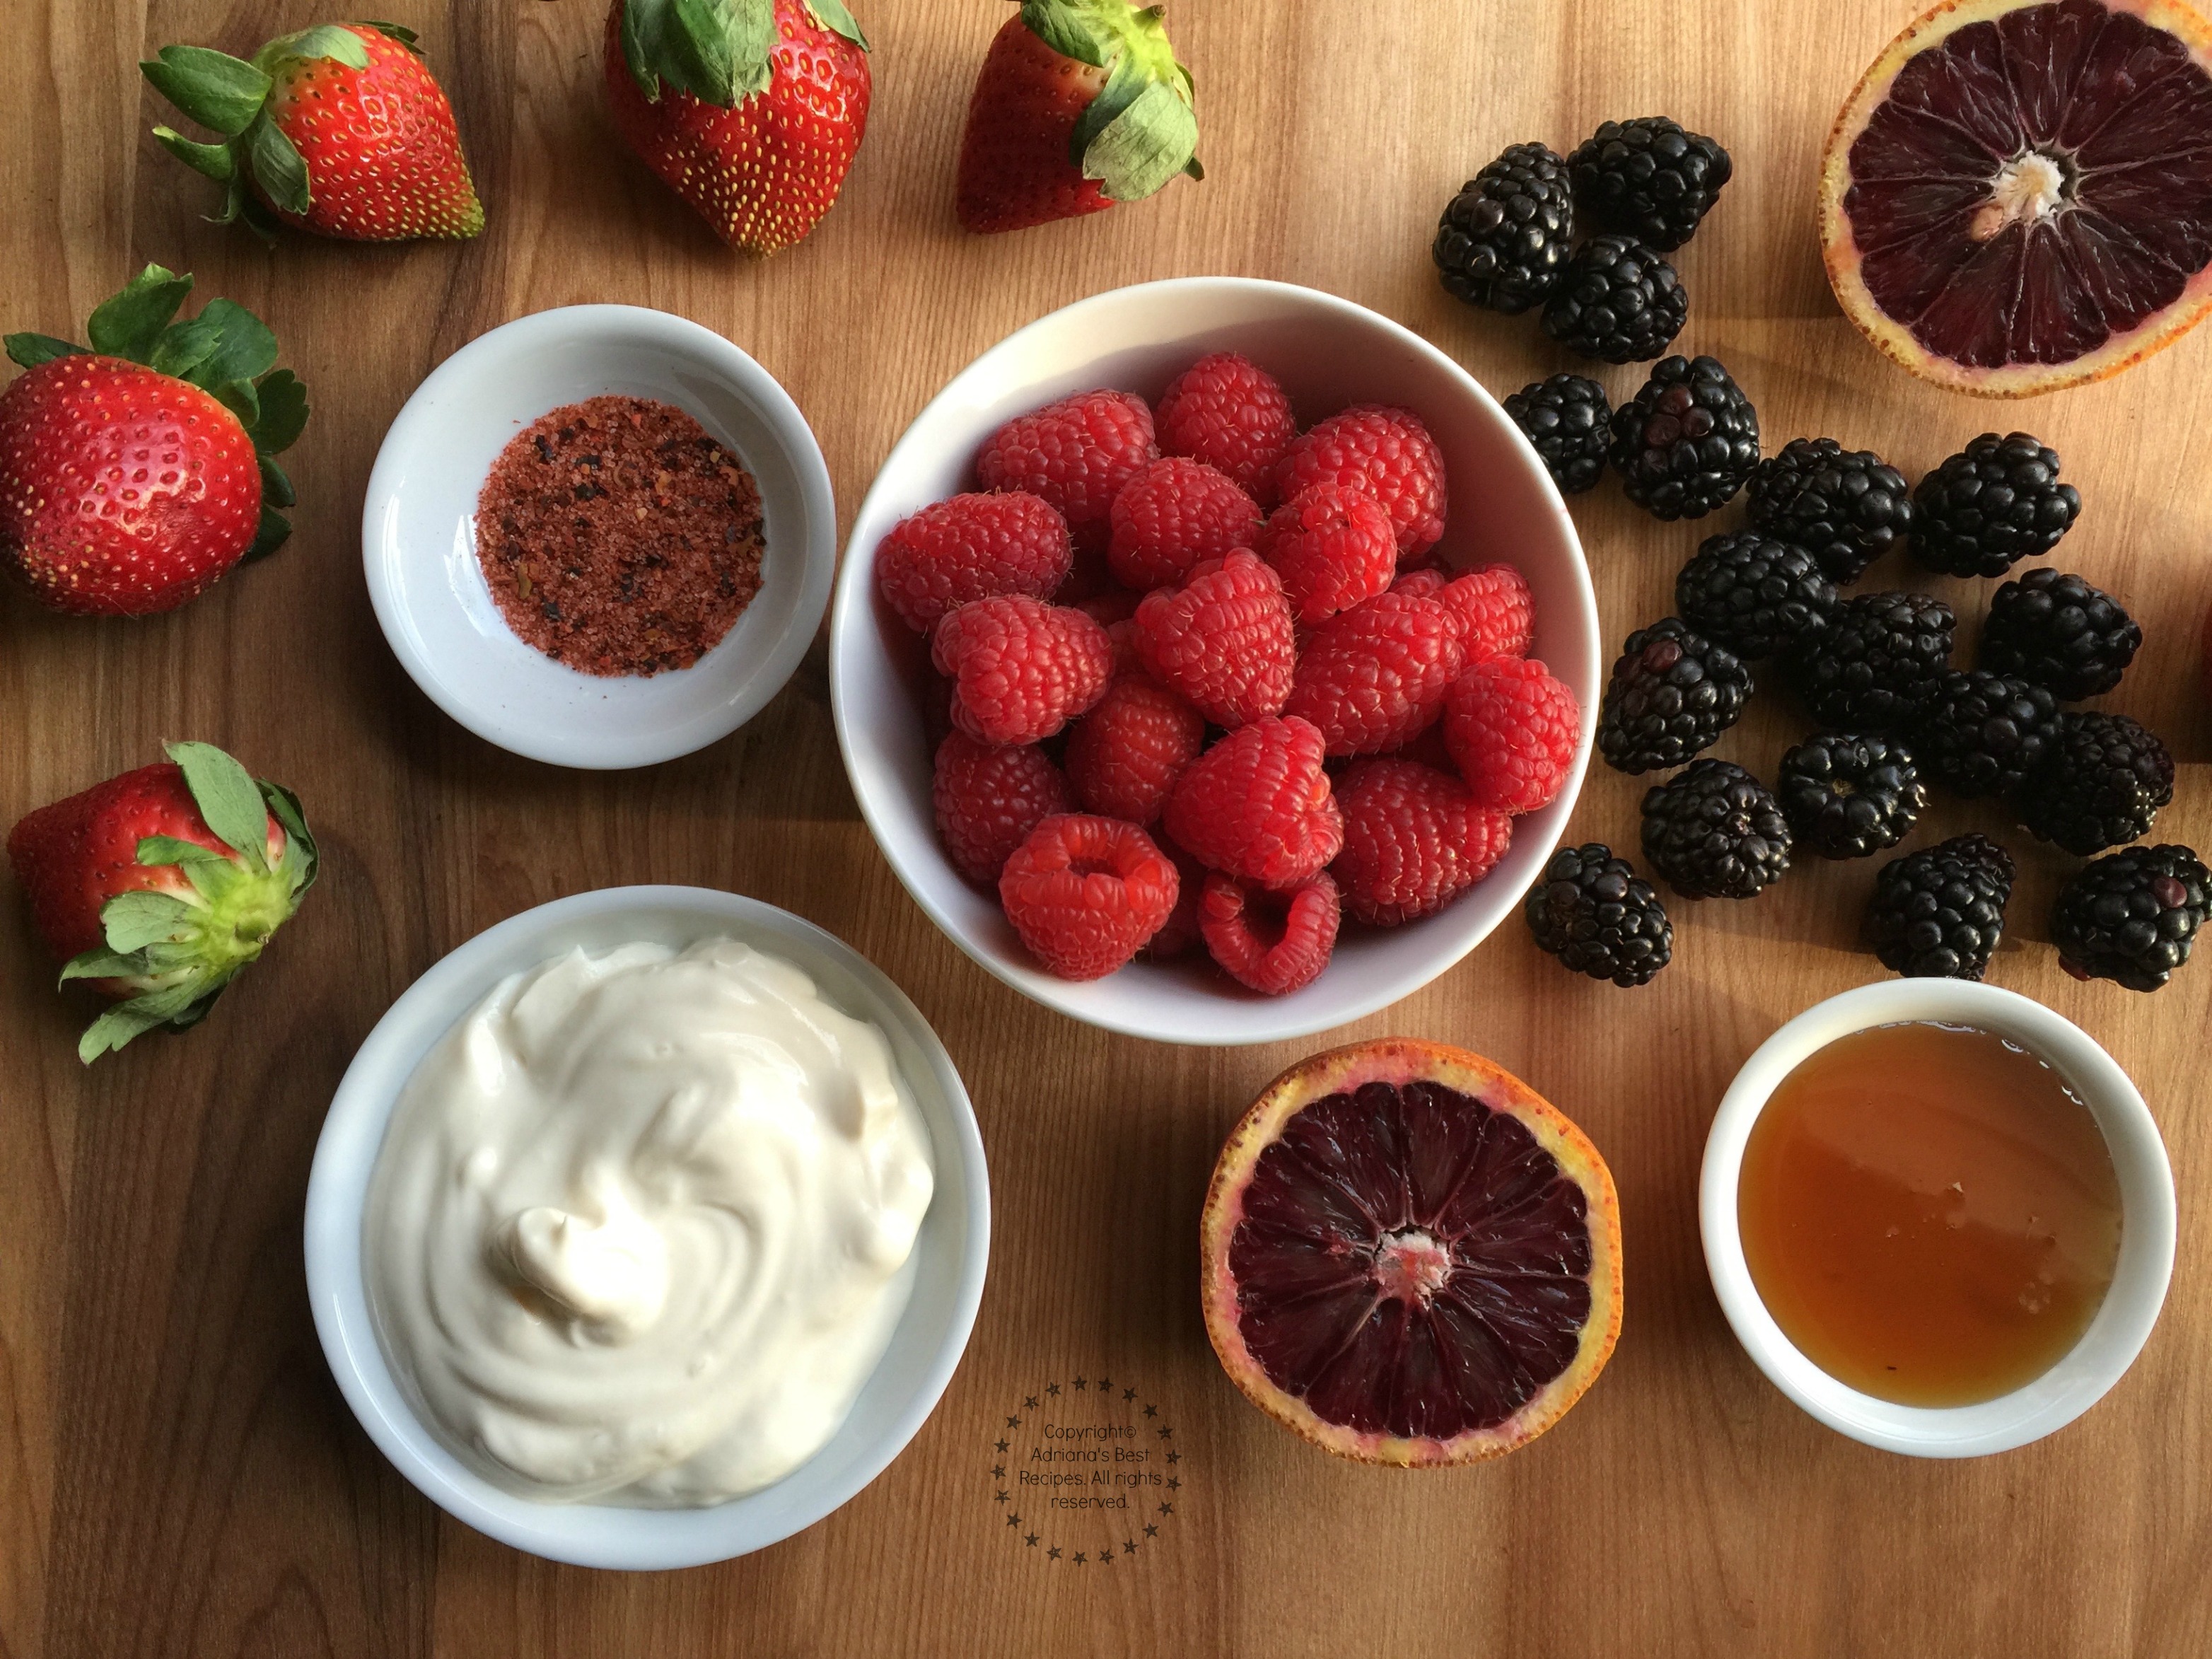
x=1938, y=1216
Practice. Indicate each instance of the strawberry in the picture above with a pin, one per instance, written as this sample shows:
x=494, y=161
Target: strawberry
x=158, y=886
x=133, y=475
x=339, y=129
x=1080, y=103
x=750, y=109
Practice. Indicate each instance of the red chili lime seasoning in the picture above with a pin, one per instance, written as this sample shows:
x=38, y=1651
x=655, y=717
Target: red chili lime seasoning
x=618, y=537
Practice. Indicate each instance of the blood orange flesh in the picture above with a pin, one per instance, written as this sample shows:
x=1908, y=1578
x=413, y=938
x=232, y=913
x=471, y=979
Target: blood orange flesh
x=1411, y=1257
x=2019, y=196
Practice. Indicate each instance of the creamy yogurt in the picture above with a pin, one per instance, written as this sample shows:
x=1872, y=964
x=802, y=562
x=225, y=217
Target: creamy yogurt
x=639, y=1229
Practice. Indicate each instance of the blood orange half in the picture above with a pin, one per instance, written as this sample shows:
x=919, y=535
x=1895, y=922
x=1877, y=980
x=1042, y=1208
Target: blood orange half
x=2019, y=196
x=1409, y=1256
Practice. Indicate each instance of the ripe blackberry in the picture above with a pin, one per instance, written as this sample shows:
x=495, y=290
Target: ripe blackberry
x=1754, y=595
x=1845, y=507
x=2132, y=917
x=1869, y=668
x=1599, y=917
x=1503, y=240
x=1849, y=795
x=1565, y=418
x=1714, y=832
x=1649, y=178
x=2056, y=630
x=1673, y=693
x=1995, y=502
x=1937, y=914
x=1618, y=301
x=1982, y=733
x=2102, y=779
x=1687, y=442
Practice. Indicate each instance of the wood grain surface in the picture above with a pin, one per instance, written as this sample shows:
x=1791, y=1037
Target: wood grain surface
x=179, y=1475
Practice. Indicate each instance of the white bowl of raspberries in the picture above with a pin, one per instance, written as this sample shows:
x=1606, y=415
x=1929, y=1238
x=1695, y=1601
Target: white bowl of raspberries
x=1214, y=660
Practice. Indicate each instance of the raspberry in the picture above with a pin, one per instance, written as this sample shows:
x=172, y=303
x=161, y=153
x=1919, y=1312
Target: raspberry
x=1272, y=943
x=1228, y=412
x=989, y=798
x=1333, y=548
x=971, y=547
x=1125, y=754
x=1076, y=453
x=1085, y=892
x=1179, y=934
x=1174, y=514
x=1496, y=612
x=1386, y=452
x=1258, y=805
x=1414, y=840
x=1513, y=730
x=1372, y=678
x=1022, y=668
x=1426, y=583
x=1223, y=640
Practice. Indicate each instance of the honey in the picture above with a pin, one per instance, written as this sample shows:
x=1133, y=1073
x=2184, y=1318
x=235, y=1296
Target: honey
x=1930, y=1213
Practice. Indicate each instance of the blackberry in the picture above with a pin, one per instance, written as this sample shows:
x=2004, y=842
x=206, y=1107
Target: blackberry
x=1673, y=693
x=1995, y=502
x=1849, y=795
x=1845, y=507
x=1649, y=178
x=1504, y=239
x=1686, y=442
x=1618, y=302
x=1599, y=917
x=1938, y=913
x=1565, y=418
x=1714, y=832
x=2101, y=781
x=2132, y=917
x=1869, y=668
x=1753, y=595
x=1983, y=733
x=2056, y=630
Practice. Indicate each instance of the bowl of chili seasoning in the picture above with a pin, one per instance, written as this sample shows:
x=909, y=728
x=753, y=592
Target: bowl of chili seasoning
x=600, y=536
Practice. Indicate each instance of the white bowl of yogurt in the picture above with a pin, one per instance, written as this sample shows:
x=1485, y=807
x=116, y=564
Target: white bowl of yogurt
x=646, y=1228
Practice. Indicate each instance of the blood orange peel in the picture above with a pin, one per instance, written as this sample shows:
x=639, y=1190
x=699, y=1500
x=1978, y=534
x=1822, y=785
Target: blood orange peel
x=1409, y=1257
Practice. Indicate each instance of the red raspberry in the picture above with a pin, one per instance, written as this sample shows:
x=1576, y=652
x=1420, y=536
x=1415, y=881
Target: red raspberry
x=1125, y=754
x=972, y=546
x=1076, y=454
x=1022, y=668
x=1228, y=412
x=1386, y=452
x=1414, y=840
x=1426, y=583
x=1085, y=892
x=1272, y=943
x=1374, y=677
x=1258, y=805
x=1174, y=514
x=1179, y=933
x=1496, y=612
x=1223, y=640
x=989, y=800
x=1333, y=547
x=1512, y=729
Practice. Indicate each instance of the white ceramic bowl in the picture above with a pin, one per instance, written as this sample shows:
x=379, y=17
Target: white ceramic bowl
x=1328, y=353
x=948, y=1261
x=2122, y=1323
x=418, y=537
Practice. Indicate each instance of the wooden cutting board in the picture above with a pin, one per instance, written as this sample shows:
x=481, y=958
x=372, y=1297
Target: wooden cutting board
x=177, y=1474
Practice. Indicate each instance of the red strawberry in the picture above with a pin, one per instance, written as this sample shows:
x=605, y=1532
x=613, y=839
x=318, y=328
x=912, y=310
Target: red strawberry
x=124, y=489
x=158, y=886
x=1080, y=103
x=750, y=109
x=339, y=129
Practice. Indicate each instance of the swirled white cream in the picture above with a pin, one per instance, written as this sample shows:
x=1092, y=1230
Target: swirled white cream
x=637, y=1231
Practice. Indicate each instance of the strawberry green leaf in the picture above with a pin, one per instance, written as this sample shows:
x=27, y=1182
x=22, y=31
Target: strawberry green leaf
x=832, y=16
x=715, y=50
x=283, y=414
x=131, y=324
x=133, y=921
x=331, y=40
x=246, y=348
x=218, y=91
x=280, y=169
x=240, y=399
x=101, y=963
x=1144, y=146
x=228, y=799
x=301, y=855
x=185, y=346
x=31, y=349
x=274, y=532
x=1081, y=29
x=115, y=1028
x=215, y=161
x=276, y=488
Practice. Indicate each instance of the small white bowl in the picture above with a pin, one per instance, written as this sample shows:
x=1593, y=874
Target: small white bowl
x=948, y=1263
x=418, y=537
x=2122, y=1323
x=1328, y=353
